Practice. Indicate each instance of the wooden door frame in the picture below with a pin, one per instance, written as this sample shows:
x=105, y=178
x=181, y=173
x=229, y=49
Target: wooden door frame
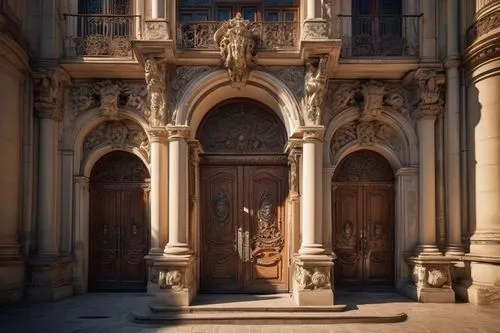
x=249, y=159
x=364, y=184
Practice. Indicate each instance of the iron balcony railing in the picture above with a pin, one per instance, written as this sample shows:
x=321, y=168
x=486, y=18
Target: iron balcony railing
x=379, y=36
x=270, y=35
x=101, y=35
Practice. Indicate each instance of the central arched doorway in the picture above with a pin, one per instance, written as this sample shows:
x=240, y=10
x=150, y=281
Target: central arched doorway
x=363, y=215
x=244, y=185
x=119, y=223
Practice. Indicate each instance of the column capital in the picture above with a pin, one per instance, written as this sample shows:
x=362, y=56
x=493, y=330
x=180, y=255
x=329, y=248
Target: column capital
x=48, y=92
x=407, y=171
x=430, y=85
x=159, y=134
x=452, y=61
x=178, y=132
x=310, y=133
x=430, y=111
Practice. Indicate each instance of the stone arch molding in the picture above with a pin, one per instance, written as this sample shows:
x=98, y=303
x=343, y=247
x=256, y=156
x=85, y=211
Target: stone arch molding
x=200, y=96
x=389, y=134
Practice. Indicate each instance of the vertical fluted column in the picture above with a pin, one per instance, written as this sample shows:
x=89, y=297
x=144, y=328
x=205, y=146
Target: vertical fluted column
x=178, y=191
x=158, y=141
x=429, y=108
x=312, y=191
x=453, y=205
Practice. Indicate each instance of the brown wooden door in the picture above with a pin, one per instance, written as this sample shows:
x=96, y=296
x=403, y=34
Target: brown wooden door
x=363, y=233
x=119, y=229
x=243, y=229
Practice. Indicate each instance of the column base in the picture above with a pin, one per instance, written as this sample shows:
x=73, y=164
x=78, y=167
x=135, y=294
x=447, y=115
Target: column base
x=12, y=271
x=312, y=249
x=312, y=283
x=176, y=280
x=177, y=249
x=427, y=250
x=485, y=277
x=455, y=250
x=51, y=279
x=431, y=279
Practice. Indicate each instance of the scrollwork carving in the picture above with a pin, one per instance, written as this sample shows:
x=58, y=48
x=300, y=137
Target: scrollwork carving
x=117, y=134
x=366, y=133
x=171, y=279
x=83, y=98
x=315, y=86
x=236, y=41
x=155, y=80
x=312, y=278
x=315, y=29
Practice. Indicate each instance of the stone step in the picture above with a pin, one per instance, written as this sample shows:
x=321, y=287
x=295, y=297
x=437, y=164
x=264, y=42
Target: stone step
x=245, y=308
x=263, y=317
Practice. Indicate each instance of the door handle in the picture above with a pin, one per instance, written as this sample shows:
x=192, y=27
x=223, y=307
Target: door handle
x=240, y=242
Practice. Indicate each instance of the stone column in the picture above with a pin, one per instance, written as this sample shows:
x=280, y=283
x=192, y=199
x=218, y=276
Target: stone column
x=453, y=180
x=312, y=280
x=81, y=233
x=176, y=267
x=483, y=60
x=51, y=275
x=430, y=268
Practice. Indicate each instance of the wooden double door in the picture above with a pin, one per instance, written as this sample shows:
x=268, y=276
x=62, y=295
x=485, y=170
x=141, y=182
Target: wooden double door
x=119, y=226
x=243, y=229
x=363, y=235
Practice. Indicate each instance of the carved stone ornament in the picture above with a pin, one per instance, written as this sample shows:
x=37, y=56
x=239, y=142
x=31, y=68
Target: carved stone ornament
x=315, y=86
x=366, y=133
x=371, y=98
x=293, y=164
x=157, y=30
x=120, y=134
x=48, y=93
x=110, y=92
x=315, y=29
x=236, y=40
x=312, y=278
x=292, y=76
x=171, y=279
x=362, y=165
x=326, y=13
x=430, y=89
x=432, y=276
x=119, y=166
x=155, y=80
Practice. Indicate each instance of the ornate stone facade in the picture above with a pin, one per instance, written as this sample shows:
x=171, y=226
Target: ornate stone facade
x=312, y=278
x=314, y=89
x=156, y=102
x=236, y=40
x=49, y=94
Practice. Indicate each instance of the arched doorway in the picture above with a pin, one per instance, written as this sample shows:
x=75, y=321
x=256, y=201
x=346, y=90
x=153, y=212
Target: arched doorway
x=119, y=223
x=244, y=185
x=363, y=215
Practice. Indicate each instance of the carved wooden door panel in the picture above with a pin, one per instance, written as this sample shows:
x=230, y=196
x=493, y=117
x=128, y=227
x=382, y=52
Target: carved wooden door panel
x=265, y=198
x=346, y=233
x=363, y=233
x=221, y=224
x=378, y=234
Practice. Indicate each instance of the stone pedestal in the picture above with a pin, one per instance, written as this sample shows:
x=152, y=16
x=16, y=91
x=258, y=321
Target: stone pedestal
x=485, y=274
x=176, y=283
x=51, y=279
x=12, y=272
x=431, y=278
x=312, y=280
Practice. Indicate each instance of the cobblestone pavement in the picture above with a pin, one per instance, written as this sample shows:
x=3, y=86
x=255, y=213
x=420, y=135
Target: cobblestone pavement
x=110, y=312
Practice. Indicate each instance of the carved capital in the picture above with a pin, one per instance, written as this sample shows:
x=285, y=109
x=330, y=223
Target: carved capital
x=236, y=41
x=314, y=89
x=430, y=85
x=315, y=29
x=155, y=71
x=452, y=62
x=429, y=111
x=158, y=135
x=48, y=93
x=178, y=132
x=157, y=30
x=313, y=133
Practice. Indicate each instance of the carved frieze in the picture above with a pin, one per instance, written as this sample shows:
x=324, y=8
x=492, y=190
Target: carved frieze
x=371, y=98
x=312, y=278
x=154, y=70
x=292, y=76
x=242, y=128
x=156, y=30
x=366, y=133
x=314, y=89
x=236, y=41
x=124, y=134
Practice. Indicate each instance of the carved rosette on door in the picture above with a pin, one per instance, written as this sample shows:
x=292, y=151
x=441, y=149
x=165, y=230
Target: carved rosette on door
x=268, y=241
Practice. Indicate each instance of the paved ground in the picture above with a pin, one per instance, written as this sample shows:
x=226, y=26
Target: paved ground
x=108, y=312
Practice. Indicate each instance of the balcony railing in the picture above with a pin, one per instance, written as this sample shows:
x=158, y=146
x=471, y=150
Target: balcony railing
x=270, y=35
x=101, y=35
x=379, y=36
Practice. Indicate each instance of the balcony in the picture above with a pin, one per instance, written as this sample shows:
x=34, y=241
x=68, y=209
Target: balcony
x=379, y=36
x=101, y=35
x=270, y=35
